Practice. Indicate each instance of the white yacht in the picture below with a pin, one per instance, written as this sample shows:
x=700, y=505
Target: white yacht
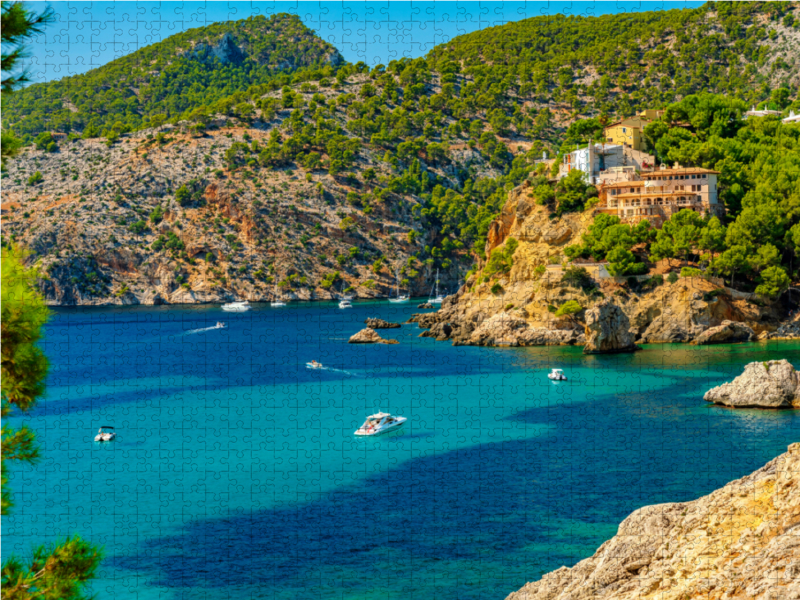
x=277, y=302
x=438, y=298
x=380, y=423
x=314, y=365
x=105, y=434
x=242, y=306
x=345, y=303
x=399, y=298
x=220, y=325
x=557, y=375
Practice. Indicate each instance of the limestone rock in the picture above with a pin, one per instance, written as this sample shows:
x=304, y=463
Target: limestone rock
x=381, y=324
x=727, y=332
x=369, y=336
x=773, y=384
x=608, y=330
x=740, y=541
x=425, y=305
x=508, y=330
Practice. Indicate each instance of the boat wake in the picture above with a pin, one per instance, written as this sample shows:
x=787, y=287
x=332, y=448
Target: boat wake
x=332, y=369
x=202, y=330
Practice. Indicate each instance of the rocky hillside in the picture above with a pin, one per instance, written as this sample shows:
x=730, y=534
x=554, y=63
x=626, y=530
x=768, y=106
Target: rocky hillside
x=738, y=542
x=517, y=303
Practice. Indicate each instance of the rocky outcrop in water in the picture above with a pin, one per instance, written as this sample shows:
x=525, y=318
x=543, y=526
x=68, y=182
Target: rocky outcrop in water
x=381, y=324
x=369, y=336
x=773, y=384
x=608, y=330
x=739, y=542
x=728, y=332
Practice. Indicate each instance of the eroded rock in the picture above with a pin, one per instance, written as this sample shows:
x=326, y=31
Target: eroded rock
x=740, y=541
x=773, y=384
x=369, y=336
x=381, y=324
x=608, y=330
x=728, y=332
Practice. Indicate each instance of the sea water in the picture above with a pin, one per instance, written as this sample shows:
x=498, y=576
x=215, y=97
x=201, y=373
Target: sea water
x=236, y=474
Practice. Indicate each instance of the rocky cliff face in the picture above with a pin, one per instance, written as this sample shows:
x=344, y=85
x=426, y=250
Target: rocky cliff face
x=532, y=289
x=741, y=541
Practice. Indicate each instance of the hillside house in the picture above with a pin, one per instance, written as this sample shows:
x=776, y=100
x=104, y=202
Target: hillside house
x=659, y=194
x=792, y=118
x=605, y=162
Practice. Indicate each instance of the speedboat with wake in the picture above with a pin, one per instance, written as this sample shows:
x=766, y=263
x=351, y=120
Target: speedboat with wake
x=314, y=365
x=220, y=325
x=242, y=306
x=557, y=375
x=380, y=423
x=105, y=434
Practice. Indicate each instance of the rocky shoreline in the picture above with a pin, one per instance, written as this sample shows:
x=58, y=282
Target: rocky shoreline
x=740, y=541
x=768, y=384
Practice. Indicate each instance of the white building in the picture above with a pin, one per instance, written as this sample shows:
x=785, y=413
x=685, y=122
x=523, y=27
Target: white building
x=792, y=118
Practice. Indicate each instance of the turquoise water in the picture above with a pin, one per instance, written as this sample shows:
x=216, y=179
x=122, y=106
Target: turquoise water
x=236, y=473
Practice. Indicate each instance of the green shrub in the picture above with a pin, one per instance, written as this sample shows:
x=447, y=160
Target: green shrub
x=691, y=272
x=497, y=288
x=672, y=277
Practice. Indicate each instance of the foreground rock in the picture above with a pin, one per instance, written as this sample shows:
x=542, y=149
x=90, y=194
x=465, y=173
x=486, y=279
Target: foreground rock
x=507, y=330
x=369, y=336
x=740, y=541
x=728, y=332
x=773, y=384
x=608, y=330
x=381, y=324
x=425, y=305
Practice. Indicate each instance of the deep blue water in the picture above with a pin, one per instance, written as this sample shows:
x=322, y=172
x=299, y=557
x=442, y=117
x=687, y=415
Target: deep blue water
x=236, y=473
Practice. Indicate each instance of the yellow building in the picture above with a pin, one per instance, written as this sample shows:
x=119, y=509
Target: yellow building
x=630, y=130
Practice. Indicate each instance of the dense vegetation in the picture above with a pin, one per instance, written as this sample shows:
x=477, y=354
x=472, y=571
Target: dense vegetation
x=204, y=67
x=618, y=63
x=759, y=164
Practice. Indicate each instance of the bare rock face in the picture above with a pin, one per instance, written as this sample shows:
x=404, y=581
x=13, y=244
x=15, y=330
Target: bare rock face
x=773, y=384
x=728, y=332
x=607, y=330
x=739, y=542
x=381, y=324
x=369, y=336
x=504, y=329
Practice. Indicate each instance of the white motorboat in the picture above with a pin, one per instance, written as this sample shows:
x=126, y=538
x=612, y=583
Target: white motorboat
x=380, y=423
x=105, y=434
x=314, y=365
x=557, y=375
x=345, y=303
x=220, y=325
x=242, y=306
x=438, y=298
x=277, y=302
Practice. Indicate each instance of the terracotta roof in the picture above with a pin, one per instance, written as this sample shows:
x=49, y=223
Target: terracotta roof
x=654, y=195
x=681, y=171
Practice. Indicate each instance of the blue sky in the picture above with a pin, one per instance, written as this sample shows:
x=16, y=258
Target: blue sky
x=87, y=35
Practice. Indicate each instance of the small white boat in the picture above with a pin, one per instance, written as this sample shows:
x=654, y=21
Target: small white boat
x=380, y=423
x=314, y=365
x=345, y=303
x=277, y=303
x=220, y=325
x=557, y=375
x=236, y=306
x=105, y=434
